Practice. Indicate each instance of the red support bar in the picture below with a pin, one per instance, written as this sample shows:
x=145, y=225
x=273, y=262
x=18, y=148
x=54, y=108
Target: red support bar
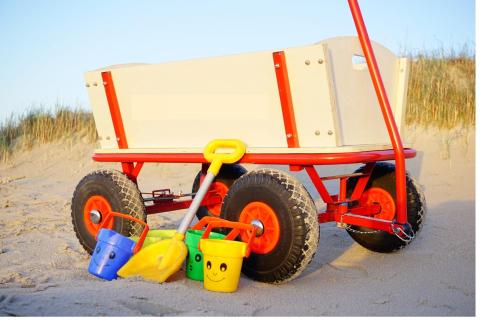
x=137, y=169
x=167, y=206
x=368, y=222
x=385, y=107
x=342, y=195
x=300, y=159
x=362, y=181
x=114, y=109
x=171, y=205
x=318, y=183
x=292, y=137
x=132, y=171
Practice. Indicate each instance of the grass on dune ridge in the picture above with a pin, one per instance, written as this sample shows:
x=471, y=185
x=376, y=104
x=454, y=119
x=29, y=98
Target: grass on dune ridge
x=441, y=93
x=41, y=125
x=441, y=89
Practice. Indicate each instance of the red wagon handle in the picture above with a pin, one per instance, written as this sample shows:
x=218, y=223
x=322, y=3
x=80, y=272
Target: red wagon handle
x=385, y=107
x=139, y=243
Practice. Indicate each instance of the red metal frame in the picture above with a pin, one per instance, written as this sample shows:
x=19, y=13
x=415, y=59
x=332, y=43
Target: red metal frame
x=340, y=208
x=170, y=205
x=385, y=107
x=301, y=159
x=292, y=138
x=114, y=109
x=121, y=138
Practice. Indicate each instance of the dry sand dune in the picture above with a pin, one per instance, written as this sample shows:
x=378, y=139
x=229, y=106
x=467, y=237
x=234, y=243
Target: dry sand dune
x=43, y=268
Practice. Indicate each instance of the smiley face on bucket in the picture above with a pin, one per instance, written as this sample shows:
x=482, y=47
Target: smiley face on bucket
x=197, y=258
x=215, y=271
x=103, y=259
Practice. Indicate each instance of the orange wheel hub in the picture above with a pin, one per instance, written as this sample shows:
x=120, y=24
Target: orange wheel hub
x=382, y=198
x=219, y=189
x=268, y=239
x=100, y=204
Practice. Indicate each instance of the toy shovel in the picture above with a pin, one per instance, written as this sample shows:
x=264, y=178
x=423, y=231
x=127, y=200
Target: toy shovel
x=159, y=261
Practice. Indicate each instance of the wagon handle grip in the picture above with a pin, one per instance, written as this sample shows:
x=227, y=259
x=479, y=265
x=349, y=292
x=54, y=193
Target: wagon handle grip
x=217, y=159
x=139, y=243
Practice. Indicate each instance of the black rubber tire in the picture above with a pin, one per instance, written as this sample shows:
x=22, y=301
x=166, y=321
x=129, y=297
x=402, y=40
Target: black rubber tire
x=383, y=176
x=297, y=216
x=121, y=193
x=227, y=175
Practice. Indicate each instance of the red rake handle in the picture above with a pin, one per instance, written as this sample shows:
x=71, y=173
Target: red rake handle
x=145, y=231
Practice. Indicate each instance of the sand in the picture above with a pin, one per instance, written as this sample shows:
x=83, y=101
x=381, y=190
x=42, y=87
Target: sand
x=43, y=268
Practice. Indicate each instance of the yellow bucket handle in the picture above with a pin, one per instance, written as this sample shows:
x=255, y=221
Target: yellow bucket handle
x=217, y=159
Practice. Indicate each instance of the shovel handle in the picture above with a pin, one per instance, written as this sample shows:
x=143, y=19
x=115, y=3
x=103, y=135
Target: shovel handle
x=217, y=159
x=139, y=243
x=236, y=228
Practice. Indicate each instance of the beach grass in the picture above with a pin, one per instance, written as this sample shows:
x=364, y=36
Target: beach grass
x=39, y=125
x=441, y=89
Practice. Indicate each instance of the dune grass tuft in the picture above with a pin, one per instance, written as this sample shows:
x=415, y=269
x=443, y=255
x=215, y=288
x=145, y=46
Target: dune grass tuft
x=441, y=90
x=44, y=125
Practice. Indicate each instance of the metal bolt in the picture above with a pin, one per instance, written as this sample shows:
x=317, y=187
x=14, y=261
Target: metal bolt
x=95, y=216
x=108, y=138
x=307, y=62
x=87, y=85
x=320, y=61
x=259, y=227
x=104, y=83
x=330, y=132
x=277, y=66
x=317, y=132
x=95, y=84
x=289, y=135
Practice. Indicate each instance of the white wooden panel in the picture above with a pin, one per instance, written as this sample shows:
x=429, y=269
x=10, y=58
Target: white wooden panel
x=359, y=115
x=100, y=110
x=402, y=92
x=311, y=96
x=187, y=104
x=180, y=106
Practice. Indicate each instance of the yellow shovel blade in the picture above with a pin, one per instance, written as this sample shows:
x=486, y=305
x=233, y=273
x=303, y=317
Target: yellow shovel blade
x=158, y=261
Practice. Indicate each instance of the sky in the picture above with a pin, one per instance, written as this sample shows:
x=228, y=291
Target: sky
x=46, y=46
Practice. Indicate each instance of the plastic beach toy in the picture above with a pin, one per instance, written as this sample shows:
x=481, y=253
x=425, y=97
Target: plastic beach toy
x=223, y=258
x=113, y=250
x=194, y=260
x=160, y=260
x=155, y=236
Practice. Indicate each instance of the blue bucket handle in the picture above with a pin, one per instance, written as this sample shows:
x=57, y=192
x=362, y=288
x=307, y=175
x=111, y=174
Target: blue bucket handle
x=139, y=243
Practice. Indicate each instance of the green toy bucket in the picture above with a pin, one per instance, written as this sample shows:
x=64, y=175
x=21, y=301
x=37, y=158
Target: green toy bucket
x=156, y=236
x=194, y=259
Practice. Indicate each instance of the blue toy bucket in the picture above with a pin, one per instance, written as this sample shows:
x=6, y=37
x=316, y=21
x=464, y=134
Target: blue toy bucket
x=113, y=250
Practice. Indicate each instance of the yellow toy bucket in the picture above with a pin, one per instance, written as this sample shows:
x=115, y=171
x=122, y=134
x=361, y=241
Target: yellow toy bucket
x=222, y=259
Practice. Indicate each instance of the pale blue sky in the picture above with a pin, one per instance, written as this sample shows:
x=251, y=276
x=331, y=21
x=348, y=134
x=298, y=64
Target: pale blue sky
x=46, y=46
